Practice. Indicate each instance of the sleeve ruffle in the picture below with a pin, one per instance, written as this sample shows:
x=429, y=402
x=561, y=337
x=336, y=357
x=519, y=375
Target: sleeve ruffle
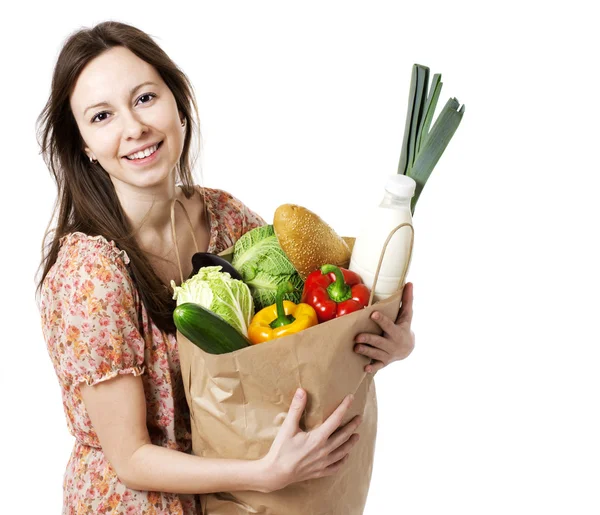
x=92, y=379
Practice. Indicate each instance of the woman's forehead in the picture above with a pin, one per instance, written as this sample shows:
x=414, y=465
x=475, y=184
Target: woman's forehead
x=111, y=75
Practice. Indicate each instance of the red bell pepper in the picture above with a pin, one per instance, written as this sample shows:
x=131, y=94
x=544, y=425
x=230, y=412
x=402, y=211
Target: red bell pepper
x=333, y=292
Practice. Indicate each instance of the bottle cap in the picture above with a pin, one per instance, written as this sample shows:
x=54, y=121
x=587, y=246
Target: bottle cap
x=401, y=185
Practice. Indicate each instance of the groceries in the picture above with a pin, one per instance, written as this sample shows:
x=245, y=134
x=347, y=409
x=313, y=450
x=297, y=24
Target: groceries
x=275, y=260
x=393, y=211
x=254, y=306
x=272, y=299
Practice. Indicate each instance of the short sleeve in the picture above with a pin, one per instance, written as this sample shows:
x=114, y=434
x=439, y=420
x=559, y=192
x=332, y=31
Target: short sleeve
x=250, y=219
x=230, y=218
x=89, y=314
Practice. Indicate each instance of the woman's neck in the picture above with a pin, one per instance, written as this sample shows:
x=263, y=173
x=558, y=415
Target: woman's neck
x=149, y=212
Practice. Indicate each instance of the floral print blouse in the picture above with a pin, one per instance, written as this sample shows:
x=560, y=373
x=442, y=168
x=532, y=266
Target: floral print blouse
x=93, y=322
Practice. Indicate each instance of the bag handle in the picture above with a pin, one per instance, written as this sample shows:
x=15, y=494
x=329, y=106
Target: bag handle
x=412, y=240
x=174, y=233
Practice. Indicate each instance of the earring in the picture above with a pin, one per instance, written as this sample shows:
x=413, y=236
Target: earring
x=92, y=160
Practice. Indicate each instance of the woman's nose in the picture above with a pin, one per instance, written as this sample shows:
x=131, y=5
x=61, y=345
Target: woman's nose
x=133, y=126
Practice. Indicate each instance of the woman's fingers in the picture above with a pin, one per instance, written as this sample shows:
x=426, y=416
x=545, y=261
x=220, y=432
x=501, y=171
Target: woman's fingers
x=334, y=467
x=343, y=449
x=291, y=424
x=326, y=429
x=342, y=435
x=375, y=353
x=374, y=340
x=387, y=324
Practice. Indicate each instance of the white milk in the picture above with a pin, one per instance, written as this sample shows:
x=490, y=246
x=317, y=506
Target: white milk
x=378, y=224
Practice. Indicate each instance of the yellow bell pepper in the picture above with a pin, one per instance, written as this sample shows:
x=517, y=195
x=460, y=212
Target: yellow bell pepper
x=280, y=319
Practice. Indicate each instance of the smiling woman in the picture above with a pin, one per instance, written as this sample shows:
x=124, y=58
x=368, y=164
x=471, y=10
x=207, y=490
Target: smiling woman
x=138, y=135
x=116, y=134
x=115, y=93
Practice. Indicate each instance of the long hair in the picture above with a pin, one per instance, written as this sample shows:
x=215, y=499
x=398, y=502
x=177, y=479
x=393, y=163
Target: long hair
x=86, y=199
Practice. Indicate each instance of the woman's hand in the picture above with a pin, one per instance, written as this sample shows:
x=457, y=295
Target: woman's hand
x=397, y=341
x=297, y=455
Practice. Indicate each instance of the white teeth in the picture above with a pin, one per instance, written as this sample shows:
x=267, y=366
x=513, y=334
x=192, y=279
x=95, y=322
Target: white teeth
x=143, y=153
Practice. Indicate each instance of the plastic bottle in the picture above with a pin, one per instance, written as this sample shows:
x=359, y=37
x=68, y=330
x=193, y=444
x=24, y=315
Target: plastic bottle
x=393, y=211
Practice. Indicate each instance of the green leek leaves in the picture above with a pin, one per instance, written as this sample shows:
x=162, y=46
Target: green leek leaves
x=422, y=147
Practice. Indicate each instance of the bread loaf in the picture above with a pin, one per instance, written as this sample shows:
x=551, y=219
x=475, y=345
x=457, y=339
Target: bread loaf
x=307, y=240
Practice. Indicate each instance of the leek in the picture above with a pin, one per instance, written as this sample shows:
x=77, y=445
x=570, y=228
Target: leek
x=422, y=147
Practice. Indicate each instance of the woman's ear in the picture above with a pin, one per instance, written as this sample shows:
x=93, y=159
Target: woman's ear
x=89, y=154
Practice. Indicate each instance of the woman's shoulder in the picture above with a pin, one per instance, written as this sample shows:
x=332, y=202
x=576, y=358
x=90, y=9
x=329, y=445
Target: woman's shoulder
x=77, y=246
x=230, y=217
x=222, y=202
x=220, y=199
x=227, y=207
x=83, y=256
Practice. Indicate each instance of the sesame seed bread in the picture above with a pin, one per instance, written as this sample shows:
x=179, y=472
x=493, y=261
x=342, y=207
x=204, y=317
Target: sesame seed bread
x=307, y=240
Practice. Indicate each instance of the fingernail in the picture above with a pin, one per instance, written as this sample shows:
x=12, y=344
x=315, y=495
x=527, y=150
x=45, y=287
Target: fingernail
x=350, y=398
x=299, y=393
x=375, y=315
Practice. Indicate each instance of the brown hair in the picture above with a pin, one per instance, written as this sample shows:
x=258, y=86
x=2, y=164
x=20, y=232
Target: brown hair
x=86, y=199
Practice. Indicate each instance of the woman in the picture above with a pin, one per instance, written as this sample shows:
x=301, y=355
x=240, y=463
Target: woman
x=117, y=134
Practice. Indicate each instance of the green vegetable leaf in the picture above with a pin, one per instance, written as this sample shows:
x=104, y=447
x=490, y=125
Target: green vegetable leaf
x=430, y=105
x=264, y=288
x=263, y=265
x=416, y=105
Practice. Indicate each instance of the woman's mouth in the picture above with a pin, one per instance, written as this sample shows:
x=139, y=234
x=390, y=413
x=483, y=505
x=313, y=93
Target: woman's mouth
x=144, y=156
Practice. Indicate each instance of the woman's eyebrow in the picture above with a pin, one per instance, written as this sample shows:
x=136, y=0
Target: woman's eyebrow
x=131, y=92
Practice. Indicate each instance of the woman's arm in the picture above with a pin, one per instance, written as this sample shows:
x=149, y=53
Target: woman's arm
x=117, y=409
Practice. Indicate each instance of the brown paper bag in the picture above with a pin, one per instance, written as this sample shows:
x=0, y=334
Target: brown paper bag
x=238, y=402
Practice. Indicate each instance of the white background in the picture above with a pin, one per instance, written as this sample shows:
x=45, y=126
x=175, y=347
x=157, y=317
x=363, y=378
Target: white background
x=495, y=411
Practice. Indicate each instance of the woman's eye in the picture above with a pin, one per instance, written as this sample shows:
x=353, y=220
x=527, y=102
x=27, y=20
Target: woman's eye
x=149, y=96
x=96, y=117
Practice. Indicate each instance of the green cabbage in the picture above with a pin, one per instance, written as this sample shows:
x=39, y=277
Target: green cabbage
x=218, y=292
x=263, y=266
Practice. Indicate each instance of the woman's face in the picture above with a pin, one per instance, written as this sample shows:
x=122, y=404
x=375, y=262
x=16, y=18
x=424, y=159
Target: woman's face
x=137, y=110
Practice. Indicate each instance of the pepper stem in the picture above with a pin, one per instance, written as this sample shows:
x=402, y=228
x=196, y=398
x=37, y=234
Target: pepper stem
x=338, y=290
x=282, y=319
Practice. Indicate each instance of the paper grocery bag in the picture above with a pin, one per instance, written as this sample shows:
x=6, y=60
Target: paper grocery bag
x=239, y=400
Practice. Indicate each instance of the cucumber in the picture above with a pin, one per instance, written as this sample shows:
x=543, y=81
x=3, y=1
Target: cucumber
x=206, y=330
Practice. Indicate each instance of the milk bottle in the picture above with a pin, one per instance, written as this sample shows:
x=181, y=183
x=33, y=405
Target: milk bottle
x=393, y=210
